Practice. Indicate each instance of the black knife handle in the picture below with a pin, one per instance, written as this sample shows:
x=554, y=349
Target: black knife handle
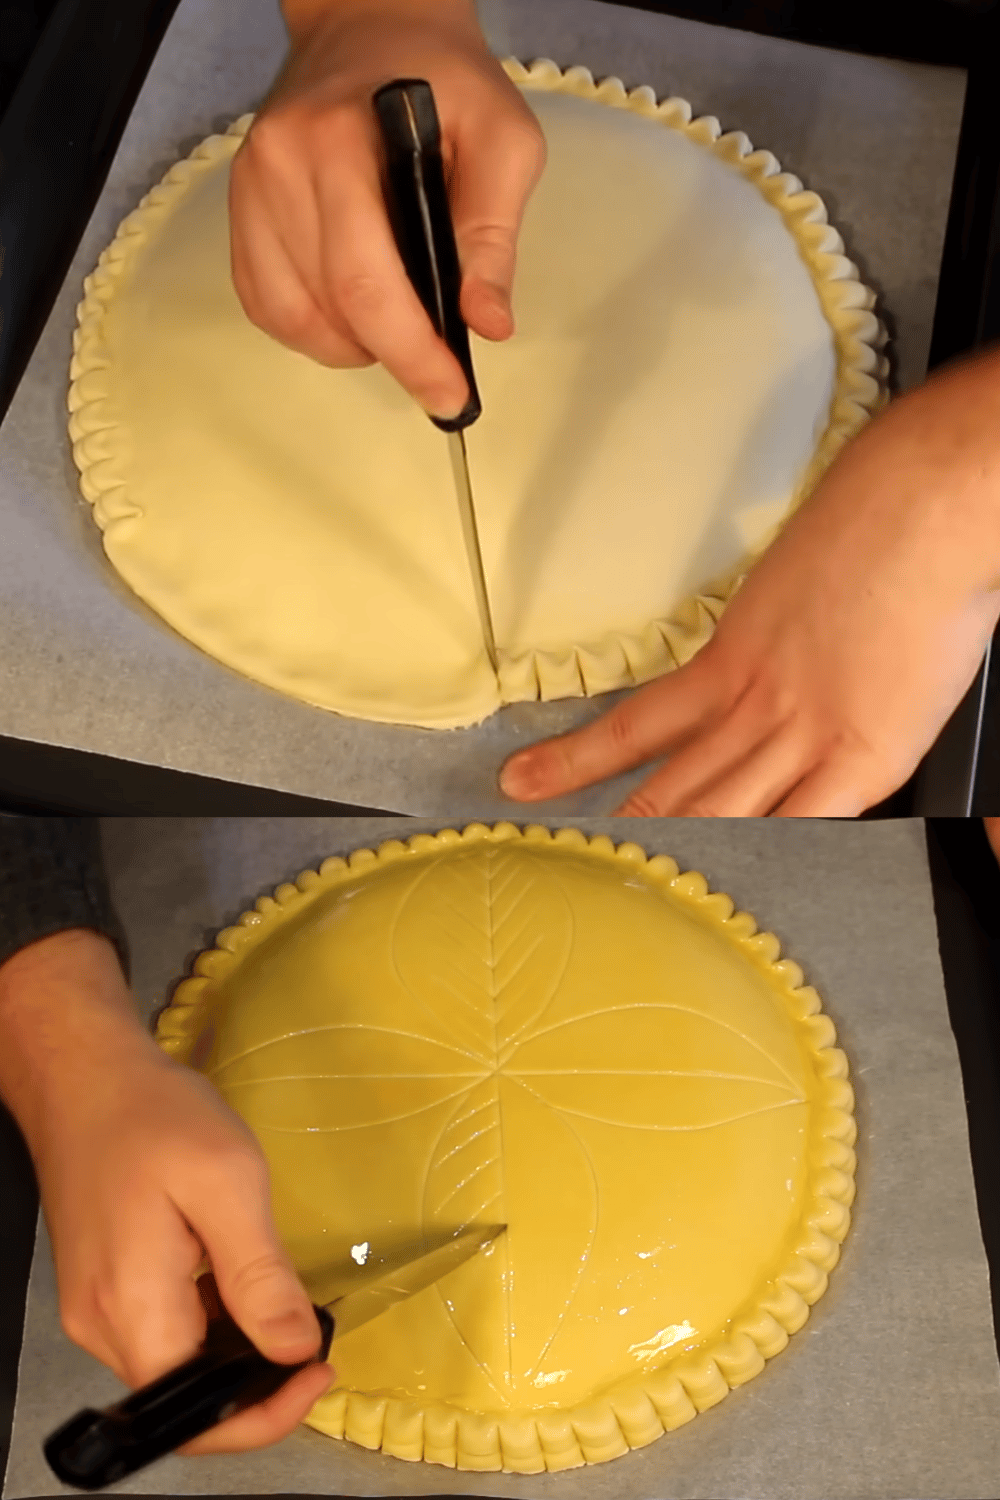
x=416, y=199
x=96, y=1448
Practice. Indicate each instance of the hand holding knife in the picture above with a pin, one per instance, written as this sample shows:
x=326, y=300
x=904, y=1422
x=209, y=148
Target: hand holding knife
x=228, y=1374
x=97, y=1448
x=417, y=203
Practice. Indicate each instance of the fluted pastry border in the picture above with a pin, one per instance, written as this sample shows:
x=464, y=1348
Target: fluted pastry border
x=619, y=660
x=629, y=1413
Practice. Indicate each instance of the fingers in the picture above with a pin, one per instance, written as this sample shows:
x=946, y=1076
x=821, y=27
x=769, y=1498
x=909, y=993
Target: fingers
x=367, y=282
x=260, y=1290
x=778, y=776
x=643, y=726
x=269, y=1421
x=275, y=295
x=740, y=768
x=142, y=1315
x=492, y=178
x=314, y=259
x=754, y=760
x=256, y=1280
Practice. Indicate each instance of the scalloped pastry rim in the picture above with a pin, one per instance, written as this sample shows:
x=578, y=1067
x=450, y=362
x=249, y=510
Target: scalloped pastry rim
x=619, y=659
x=631, y=1412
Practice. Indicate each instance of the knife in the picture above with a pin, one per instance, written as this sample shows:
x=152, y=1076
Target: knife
x=96, y=1448
x=417, y=203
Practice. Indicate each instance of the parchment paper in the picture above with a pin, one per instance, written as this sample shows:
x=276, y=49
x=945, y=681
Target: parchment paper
x=890, y=1392
x=85, y=664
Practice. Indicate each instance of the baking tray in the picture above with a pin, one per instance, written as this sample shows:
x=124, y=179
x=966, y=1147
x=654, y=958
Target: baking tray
x=966, y=891
x=58, y=137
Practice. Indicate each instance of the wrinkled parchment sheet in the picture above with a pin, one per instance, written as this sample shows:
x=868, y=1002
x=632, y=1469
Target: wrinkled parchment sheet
x=890, y=1392
x=86, y=664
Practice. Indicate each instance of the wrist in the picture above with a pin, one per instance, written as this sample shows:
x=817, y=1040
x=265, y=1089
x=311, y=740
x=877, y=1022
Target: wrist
x=68, y=1025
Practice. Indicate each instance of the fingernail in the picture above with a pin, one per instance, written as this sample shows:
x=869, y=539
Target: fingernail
x=445, y=407
x=520, y=777
x=499, y=301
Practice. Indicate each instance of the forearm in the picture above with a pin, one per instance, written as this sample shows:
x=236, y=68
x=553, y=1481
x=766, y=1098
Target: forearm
x=68, y=1025
x=923, y=480
x=960, y=445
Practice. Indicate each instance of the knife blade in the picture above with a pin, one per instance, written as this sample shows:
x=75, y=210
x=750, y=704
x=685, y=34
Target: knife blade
x=417, y=204
x=396, y=1283
x=97, y=1448
x=467, y=513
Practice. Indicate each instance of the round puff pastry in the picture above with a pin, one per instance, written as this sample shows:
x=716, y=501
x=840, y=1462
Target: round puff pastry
x=564, y=1037
x=692, y=350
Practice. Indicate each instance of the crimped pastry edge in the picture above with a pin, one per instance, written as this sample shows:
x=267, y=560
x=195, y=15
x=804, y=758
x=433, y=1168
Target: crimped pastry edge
x=620, y=659
x=634, y=1412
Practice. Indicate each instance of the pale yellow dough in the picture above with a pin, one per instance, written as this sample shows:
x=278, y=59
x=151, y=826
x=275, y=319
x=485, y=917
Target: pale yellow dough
x=560, y=1036
x=693, y=349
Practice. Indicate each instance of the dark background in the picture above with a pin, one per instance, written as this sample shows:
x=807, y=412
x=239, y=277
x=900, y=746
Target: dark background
x=927, y=30
x=70, y=71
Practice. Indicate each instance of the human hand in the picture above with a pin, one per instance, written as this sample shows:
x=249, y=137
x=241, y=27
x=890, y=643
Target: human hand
x=847, y=647
x=313, y=256
x=143, y=1170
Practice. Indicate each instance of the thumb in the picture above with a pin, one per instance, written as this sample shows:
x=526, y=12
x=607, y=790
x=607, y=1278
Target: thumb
x=264, y=1296
x=255, y=1278
x=491, y=182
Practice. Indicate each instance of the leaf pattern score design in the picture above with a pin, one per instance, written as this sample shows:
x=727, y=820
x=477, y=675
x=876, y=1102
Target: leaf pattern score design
x=481, y=942
x=499, y=937
x=496, y=931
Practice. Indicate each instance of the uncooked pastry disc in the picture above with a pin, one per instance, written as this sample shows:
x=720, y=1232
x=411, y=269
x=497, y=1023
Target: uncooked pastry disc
x=692, y=350
x=546, y=1032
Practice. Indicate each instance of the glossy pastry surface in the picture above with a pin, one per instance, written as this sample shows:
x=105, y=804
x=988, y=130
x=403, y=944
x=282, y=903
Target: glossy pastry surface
x=560, y=1037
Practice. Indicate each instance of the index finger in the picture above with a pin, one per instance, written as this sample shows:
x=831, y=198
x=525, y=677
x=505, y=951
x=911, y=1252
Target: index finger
x=368, y=284
x=147, y=1312
x=652, y=720
x=229, y=1209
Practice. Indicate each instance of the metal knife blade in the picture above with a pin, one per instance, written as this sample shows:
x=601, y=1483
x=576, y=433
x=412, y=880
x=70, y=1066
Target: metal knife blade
x=351, y=1309
x=467, y=511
